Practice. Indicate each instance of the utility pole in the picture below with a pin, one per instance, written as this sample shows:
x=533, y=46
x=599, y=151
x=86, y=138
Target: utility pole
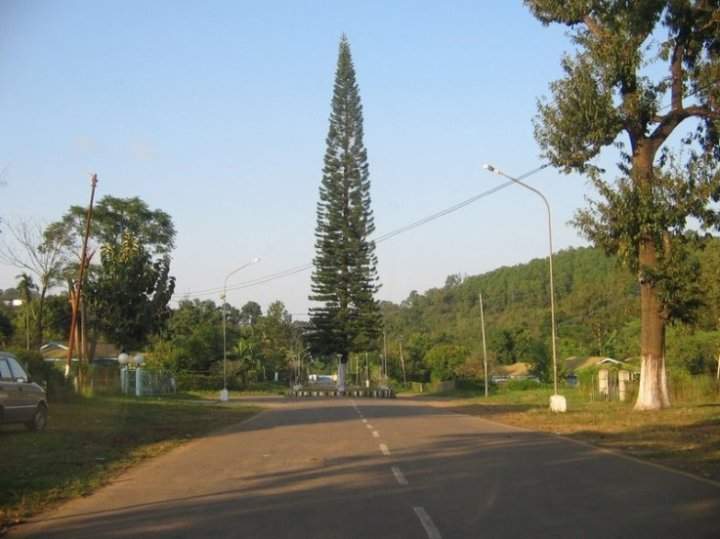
x=78, y=286
x=402, y=361
x=385, y=361
x=482, y=325
x=367, y=371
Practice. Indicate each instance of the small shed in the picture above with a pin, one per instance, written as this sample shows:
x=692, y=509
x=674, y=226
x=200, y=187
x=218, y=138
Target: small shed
x=574, y=364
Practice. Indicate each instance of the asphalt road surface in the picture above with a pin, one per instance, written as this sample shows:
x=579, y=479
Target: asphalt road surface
x=379, y=469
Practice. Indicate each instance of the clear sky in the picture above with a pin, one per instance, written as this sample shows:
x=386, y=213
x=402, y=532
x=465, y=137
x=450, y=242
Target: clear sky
x=216, y=112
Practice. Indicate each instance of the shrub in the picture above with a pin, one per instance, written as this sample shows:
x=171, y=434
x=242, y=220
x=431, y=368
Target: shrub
x=521, y=385
x=443, y=359
x=685, y=387
x=45, y=374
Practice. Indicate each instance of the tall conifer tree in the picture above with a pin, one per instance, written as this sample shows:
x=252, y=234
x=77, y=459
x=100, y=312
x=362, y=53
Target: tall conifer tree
x=345, y=276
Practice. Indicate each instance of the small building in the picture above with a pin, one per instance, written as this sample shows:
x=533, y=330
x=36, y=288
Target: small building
x=579, y=363
x=54, y=351
x=515, y=371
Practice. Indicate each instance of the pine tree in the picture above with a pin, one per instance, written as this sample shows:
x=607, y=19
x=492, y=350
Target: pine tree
x=345, y=276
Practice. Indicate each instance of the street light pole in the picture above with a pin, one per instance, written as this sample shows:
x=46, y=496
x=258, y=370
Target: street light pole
x=482, y=326
x=224, y=393
x=557, y=402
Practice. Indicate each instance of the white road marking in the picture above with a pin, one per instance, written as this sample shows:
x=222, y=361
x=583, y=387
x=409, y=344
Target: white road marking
x=376, y=434
x=384, y=449
x=369, y=426
x=364, y=420
x=427, y=523
x=399, y=475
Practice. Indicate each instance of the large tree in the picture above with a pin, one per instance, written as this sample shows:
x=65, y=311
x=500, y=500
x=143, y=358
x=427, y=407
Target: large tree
x=117, y=221
x=112, y=218
x=345, y=279
x=630, y=57
x=130, y=293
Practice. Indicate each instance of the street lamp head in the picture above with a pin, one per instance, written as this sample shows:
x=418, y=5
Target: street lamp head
x=489, y=168
x=255, y=260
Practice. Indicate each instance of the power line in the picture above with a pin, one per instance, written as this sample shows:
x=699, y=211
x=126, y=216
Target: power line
x=379, y=239
x=389, y=235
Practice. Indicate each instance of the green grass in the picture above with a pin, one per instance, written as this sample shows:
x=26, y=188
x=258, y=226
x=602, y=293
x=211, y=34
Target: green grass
x=685, y=436
x=90, y=441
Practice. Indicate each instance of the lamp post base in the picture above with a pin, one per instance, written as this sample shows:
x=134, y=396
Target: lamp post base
x=558, y=403
x=224, y=397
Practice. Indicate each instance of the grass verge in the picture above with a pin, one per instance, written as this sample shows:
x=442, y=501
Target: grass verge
x=90, y=441
x=685, y=437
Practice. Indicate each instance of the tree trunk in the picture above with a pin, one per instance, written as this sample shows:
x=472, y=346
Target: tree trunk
x=652, y=393
x=342, y=370
x=342, y=367
x=27, y=326
x=83, y=330
x=39, y=329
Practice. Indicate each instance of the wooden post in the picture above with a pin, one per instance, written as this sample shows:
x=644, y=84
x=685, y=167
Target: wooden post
x=402, y=362
x=78, y=284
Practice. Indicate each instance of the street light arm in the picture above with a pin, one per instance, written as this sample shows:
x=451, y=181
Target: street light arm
x=233, y=272
x=519, y=182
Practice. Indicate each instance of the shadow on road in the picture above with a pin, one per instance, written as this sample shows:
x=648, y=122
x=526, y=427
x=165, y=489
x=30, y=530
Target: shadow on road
x=472, y=477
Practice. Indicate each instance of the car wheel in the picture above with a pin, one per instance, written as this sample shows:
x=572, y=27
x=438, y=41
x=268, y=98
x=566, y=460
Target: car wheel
x=39, y=419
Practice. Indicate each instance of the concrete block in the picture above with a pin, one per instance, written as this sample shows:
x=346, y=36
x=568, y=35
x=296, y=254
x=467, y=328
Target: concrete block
x=558, y=403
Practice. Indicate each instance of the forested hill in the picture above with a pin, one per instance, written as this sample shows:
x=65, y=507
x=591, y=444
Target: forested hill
x=597, y=303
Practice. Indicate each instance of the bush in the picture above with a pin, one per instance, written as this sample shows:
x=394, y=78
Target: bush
x=189, y=381
x=443, y=359
x=45, y=374
x=472, y=384
x=685, y=387
x=521, y=385
x=695, y=352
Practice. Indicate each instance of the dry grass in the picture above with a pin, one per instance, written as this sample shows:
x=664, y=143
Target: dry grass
x=686, y=436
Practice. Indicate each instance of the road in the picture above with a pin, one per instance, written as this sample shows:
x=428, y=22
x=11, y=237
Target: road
x=379, y=469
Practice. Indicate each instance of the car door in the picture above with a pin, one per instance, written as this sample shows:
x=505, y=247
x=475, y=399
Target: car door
x=9, y=394
x=26, y=397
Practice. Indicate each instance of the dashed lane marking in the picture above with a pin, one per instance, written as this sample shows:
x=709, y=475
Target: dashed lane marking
x=399, y=475
x=375, y=434
x=384, y=449
x=427, y=523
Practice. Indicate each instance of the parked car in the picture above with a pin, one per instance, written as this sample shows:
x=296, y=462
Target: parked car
x=21, y=400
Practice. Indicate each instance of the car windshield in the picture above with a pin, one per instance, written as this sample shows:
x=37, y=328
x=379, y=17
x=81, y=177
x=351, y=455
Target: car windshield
x=17, y=370
x=5, y=373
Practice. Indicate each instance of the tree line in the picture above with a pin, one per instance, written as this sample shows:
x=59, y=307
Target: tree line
x=597, y=314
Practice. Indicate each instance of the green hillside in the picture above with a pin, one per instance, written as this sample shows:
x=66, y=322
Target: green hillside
x=597, y=314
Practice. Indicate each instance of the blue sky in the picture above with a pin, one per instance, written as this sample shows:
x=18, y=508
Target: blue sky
x=217, y=112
